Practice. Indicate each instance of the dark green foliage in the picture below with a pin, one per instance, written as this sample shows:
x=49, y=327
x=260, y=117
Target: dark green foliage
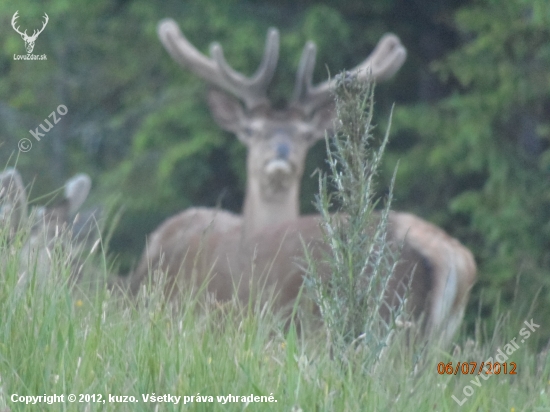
x=480, y=165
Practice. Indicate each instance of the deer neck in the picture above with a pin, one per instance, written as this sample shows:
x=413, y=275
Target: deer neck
x=264, y=207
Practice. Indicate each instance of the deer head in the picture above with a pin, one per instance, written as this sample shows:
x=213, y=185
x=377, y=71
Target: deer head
x=49, y=222
x=277, y=140
x=29, y=40
x=44, y=226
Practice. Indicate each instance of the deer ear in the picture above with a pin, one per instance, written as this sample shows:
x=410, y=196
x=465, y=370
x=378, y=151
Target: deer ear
x=13, y=199
x=227, y=111
x=323, y=121
x=76, y=191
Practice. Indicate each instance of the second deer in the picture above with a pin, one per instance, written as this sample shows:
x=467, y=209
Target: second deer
x=42, y=229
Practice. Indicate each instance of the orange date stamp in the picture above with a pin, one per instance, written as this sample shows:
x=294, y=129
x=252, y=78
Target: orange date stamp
x=470, y=368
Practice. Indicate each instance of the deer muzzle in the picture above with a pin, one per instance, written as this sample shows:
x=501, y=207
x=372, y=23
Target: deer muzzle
x=278, y=167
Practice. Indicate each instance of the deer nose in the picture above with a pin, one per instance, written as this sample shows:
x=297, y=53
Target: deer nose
x=283, y=150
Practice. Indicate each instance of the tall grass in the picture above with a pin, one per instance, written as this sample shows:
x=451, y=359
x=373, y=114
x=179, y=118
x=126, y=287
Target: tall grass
x=55, y=342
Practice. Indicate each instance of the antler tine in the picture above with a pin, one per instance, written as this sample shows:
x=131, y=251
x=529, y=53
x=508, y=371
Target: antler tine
x=305, y=94
x=184, y=52
x=252, y=91
x=14, y=22
x=46, y=19
x=386, y=59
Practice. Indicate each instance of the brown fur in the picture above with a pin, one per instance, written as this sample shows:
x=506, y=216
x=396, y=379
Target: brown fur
x=444, y=270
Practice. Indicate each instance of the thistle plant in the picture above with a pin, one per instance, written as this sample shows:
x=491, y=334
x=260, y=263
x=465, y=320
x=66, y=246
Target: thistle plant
x=359, y=260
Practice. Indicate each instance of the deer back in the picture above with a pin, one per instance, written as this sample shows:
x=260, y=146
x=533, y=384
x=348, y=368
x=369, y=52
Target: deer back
x=439, y=270
x=177, y=240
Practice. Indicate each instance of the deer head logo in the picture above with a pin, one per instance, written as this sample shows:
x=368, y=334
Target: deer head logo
x=29, y=40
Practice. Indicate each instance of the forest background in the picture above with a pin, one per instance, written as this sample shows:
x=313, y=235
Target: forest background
x=471, y=126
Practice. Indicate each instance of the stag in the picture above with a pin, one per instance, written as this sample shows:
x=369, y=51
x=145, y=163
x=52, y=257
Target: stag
x=277, y=141
x=29, y=40
x=268, y=236
x=44, y=228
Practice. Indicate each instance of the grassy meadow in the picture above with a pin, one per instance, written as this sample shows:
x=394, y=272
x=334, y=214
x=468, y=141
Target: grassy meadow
x=116, y=353
x=56, y=338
